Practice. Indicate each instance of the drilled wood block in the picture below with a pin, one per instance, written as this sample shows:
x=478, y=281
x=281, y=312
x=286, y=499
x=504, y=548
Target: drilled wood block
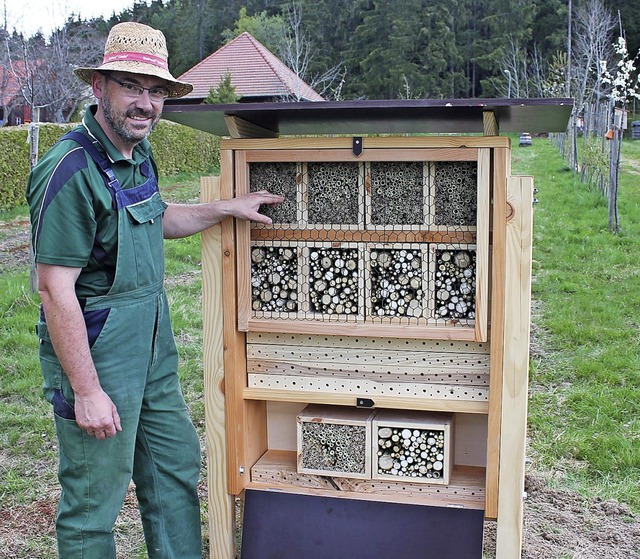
x=334, y=441
x=415, y=446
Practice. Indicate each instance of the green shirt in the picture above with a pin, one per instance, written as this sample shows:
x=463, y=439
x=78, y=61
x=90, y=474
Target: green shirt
x=73, y=219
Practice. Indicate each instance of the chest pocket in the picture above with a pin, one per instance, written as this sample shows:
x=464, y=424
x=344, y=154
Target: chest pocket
x=142, y=240
x=146, y=210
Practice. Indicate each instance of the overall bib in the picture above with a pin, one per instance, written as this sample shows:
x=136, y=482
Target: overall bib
x=134, y=352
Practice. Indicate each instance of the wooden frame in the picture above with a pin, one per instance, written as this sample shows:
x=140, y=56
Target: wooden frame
x=253, y=348
x=326, y=418
x=303, y=151
x=418, y=423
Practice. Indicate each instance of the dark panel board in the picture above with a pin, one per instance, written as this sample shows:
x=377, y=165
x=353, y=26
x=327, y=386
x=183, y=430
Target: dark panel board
x=289, y=526
x=461, y=116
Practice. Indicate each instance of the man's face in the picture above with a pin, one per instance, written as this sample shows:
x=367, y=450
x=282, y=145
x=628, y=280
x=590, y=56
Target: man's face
x=132, y=104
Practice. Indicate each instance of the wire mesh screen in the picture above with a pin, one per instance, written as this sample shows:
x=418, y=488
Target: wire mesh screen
x=368, y=241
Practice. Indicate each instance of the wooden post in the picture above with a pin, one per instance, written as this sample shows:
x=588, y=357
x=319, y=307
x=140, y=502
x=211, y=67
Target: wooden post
x=501, y=170
x=490, y=123
x=515, y=368
x=221, y=506
x=34, y=141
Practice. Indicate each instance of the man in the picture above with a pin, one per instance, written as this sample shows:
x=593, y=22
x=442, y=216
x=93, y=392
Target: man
x=107, y=350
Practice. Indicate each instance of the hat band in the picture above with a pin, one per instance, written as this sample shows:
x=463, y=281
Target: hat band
x=136, y=57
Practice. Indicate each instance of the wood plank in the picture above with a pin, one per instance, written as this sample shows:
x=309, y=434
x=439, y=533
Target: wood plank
x=364, y=342
x=515, y=369
x=342, y=399
x=482, y=245
x=277, y=470
x=501, y=168
x=357, y=235
x=373, y=359
x=490, y=123
x=243, y=246
x=345, y=155
x=368, y=388
x=384, y=362
x=240, y=128
x=221, y=526
x=246, y=430
x=388, y=330
x=346, y=142
x=400, y=375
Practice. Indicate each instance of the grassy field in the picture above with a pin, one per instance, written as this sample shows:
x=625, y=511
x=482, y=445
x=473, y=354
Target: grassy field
x=584, y=413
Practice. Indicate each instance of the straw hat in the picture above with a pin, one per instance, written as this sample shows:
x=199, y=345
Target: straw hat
x=139, y=49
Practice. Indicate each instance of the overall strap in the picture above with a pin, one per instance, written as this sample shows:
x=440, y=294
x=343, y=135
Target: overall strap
x=101, y=160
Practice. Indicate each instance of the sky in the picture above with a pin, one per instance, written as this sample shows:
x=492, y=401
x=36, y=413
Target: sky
x=29, y=16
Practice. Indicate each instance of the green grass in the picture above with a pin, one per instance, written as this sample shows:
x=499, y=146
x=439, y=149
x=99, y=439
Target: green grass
x=585, y=371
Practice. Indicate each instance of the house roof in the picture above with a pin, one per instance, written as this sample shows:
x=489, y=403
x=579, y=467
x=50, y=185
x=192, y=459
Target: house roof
x=9, y=86
x=255, y=72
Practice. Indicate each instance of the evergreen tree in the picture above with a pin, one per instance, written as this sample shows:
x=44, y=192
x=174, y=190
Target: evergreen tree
x=630, y=18
x=269, y=30
x=223, y=94
x=549, y=27
x=389, y=48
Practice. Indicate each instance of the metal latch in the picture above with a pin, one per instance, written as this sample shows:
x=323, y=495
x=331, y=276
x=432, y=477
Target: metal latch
x=357, y=146
x=365, y=403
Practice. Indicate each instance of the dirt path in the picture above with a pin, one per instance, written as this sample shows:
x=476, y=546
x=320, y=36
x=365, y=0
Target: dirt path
x=14, y=244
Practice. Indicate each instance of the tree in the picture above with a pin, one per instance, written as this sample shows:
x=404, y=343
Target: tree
x=592, y=38
x=269, y=30
x=78, y=43
x=548, y=27
x=10, y=43
x=44, y=71
x=223, y=94
x=297, y=52
x=498, y=23
x=630, y=17
x=624, y=85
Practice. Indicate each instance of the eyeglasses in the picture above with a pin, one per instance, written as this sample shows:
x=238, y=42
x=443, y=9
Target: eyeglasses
x=156, y=93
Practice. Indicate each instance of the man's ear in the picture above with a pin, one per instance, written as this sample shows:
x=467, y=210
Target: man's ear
x=98, y=83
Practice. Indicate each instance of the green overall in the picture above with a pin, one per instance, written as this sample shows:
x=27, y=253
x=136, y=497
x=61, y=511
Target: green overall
x=134, y=351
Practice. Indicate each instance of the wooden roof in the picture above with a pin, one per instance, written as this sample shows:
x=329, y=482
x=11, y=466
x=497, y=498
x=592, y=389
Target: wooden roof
x=255, y=72
x=412, y=116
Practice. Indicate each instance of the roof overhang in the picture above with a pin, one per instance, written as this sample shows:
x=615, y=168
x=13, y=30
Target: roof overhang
x=412, y=116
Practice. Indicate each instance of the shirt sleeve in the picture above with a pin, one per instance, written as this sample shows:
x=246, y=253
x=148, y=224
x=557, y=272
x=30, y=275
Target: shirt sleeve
x=63, y=213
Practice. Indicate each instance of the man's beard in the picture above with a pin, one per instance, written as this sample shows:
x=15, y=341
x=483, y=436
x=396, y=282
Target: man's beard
x=128, y=134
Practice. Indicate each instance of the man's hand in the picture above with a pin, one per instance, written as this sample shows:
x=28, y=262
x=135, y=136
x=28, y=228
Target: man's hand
x=247, y=206
x=182, y=220
x=97, y=415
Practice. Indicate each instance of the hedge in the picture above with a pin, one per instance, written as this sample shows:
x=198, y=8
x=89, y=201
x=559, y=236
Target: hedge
x=177, y=149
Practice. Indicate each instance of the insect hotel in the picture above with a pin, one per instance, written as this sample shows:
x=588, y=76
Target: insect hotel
x=366, y=355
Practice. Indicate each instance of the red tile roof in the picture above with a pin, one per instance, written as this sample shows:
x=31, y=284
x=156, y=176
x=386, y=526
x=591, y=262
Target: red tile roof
x=255, y=72
x=9, y=85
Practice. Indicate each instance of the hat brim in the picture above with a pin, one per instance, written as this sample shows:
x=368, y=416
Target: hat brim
x=176, y=88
